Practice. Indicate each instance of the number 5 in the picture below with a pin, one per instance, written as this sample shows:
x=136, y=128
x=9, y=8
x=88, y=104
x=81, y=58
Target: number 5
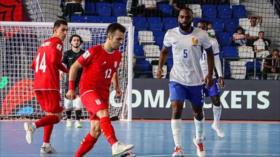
x=185, y=53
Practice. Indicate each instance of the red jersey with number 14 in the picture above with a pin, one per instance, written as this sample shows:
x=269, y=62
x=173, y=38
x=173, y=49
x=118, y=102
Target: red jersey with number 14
x=98, y=69
x=46, y=65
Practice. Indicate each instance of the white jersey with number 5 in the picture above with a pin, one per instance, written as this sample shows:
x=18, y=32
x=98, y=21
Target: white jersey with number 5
x=187, y=50
x=203, y=60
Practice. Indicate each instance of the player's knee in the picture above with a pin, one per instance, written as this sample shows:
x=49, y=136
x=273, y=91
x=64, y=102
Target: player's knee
x=216, y=101
x=176, y=112
x=102, y=113
x=198, y=115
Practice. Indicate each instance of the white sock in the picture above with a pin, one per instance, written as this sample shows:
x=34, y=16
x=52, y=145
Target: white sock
x=199, y=129
x=176, y=131
x=217, y=111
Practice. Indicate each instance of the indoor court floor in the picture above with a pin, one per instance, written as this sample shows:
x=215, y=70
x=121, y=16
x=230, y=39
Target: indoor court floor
x=151, y=139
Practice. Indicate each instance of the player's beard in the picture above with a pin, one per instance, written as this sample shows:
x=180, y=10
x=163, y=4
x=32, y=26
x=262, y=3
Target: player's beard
x=186, y=27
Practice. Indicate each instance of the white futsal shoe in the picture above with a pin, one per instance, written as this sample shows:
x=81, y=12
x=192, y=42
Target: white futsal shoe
x=178, y=152
x=68, y=123
x=46, y=148
x=119, y=148
x=29, y=129
x=78, y=124
x=218, y=130
x=200, y=151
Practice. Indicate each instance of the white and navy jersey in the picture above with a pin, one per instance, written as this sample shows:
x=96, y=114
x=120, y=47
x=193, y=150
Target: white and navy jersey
x=187, y=49
x=203, y=60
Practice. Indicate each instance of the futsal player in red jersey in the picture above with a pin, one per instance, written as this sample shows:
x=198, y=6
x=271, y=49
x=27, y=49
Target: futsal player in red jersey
x=46, y=66
x=100, y=67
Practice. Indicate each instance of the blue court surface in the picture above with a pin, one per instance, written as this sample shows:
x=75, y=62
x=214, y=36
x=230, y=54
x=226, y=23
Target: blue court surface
x=151, y=139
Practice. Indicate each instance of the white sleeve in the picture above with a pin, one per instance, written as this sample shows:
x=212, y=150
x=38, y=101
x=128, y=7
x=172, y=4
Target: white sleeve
x=218, y=65
x=167, y=39
x=215, y=46
x=205, y=40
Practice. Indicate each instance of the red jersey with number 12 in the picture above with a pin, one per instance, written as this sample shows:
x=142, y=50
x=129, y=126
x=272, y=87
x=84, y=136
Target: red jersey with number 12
x=46, y=64
x=98, y=69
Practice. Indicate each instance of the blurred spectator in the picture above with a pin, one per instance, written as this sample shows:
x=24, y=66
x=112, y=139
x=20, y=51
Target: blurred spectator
x=142, y=8
x=71, y=7
x=253, y=29
x=272, y=64
x=239, y=37
x=261, y=45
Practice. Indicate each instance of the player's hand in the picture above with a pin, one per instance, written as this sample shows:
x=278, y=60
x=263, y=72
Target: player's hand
x=118, y=92
x=221, y=82
x=208, y=80
x=70, y=94
x=159, y=73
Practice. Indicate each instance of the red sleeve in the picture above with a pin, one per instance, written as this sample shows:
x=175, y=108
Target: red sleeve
x=86, y=57
x=63, y=68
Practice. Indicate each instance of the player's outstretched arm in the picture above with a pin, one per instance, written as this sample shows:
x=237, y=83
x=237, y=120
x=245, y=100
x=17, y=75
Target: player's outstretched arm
x=72, y=77
x=161, y=62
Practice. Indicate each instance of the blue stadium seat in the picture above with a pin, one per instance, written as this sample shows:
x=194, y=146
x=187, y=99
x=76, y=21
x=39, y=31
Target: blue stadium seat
x=155, y=23
x=196, y=20
x=107, y=19
x=103, y=9
x=119, y=9
x=230, y=52
x=78, y=18
x=159, y=35
x=166, y=9
x=224, y=38
x=90, y=8
x=224, y=11
x=239, y=11
x=231, y=25
x=169, y=22
x=142, y=68
x=218, y=25
x=209, y=11
x=140, y=23
x=94, y=19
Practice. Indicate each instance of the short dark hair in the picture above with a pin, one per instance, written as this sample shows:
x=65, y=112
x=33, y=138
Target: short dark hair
x=57, y=23
x=115, y=26
x=76, y=35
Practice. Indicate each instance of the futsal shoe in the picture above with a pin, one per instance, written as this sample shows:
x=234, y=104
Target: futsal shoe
x=29, y=129
x=68, y=123
x=119, y=148
x=218, y=130
x=178, y=152
x=199, y=148
x=46, y=148
x=128, y=154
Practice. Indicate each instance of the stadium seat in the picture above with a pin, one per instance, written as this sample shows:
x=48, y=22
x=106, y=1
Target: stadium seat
x=224, y=11
x=103, y=9
x=124, y=19
x=78, y=18
x=197, y=12
x=239, y=11
x=142, y=68
x=140, y=23
x=94, y=19
x=230, y=52
x=119, y=9
x=238, y=69
x=224, y=38
x=244, y=23
x=196, y=21
x=166, y=9
x=169, y=22
x=231, y=25
x=151, y=51
x=218, y=25
x=246, y=52
x=154, y=23
x=90, y=8
x=107, y=19
x=209, y=11
x=146, y=37
x=159, y=35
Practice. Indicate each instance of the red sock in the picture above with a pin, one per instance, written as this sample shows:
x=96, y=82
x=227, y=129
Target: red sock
x=108, y=130
x=86, y=145
x=47, y=120
x=47, y=133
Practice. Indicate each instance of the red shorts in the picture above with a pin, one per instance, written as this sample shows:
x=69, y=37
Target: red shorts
x=93, y=103
x=49, y=100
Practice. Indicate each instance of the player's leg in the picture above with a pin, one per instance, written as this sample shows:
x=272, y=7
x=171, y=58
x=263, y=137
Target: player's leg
x=214, y=93
x=90, y=139
x=95, y=105
x=177, y=97
x=196, y=98
x=77, y=104
x=68, y=105
x=49, y=102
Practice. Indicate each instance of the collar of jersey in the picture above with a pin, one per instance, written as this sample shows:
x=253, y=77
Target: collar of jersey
x=185, y=33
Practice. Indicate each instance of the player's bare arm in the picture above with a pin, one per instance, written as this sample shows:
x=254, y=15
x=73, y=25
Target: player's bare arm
x=115, y=81
x=72, y=77
x=210, y=62
x=162, y=60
